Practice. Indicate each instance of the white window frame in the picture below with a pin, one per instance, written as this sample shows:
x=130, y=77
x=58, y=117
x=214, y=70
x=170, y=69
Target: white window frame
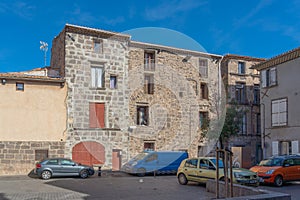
x=97, y=76
x=279, y=112
x=269, y=77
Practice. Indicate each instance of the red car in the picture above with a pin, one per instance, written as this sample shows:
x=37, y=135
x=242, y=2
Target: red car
x=279, y=169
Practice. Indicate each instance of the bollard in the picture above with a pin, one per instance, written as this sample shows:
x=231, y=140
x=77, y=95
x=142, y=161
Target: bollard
x=99, y=171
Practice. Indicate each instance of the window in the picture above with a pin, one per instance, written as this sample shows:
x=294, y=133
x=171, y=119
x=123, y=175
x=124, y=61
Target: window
x=243, y=125
x=97, y=115
x=98, y=46
x=269, y=77
x=193, y=163
x=142, y=115
x=67, y=162
x=97, y=77
x=52, y=162
x=256, y=95
x=149, y=61
x=113, y=82
x=149, y=146
x=20, y=86
x=241, y=68
x=279, y=112
x=240, y=93
x=40, y=154
x=204, y=91
x=149, y=84
x=203, y=120
x=285, y=147
x=203, y=68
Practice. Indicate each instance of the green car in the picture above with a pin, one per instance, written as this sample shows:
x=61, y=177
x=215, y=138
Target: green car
x=203, y=168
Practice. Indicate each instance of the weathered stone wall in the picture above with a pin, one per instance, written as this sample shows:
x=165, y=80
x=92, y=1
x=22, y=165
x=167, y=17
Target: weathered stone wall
x=251, y=77
x=177, y=98
x=57, y=61
x=18, y=157
x=79, y=59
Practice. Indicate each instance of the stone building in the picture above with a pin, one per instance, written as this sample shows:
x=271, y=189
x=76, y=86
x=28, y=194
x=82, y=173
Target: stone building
x=126, y=96
x=242, y=84
x=32, y=119
x=279, y=103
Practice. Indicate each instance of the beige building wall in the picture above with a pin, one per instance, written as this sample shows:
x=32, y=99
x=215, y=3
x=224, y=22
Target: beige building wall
x=36, y=114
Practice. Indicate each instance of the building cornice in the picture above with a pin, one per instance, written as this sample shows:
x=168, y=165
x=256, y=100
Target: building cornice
x=277, y=60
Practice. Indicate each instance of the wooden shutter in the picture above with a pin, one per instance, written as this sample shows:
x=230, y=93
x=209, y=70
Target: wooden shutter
x=97, y=115
x=295, y=147
x=274, y=148
x=263, y=78
x=273, y=78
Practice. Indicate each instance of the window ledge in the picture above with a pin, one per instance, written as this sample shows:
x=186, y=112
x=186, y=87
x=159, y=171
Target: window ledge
x=97, y=88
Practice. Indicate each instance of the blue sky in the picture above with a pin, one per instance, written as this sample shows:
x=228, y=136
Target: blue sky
x=257, y=28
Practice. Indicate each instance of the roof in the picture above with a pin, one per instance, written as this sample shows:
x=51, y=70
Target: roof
x=171, y=49
x=94, y=31
x=277, y=60
x=38, y=74
x=246, y=58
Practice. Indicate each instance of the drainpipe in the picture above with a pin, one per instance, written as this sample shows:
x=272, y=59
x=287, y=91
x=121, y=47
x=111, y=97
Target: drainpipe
x=263, y=134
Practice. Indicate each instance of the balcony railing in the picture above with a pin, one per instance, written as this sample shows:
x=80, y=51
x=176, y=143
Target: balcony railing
x=149, y=64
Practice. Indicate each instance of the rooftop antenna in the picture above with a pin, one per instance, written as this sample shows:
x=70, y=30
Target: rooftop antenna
x=44, y=48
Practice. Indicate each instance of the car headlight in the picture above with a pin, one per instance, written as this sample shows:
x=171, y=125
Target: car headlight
x=270, y=171
x=134, y=163
x=237, y=175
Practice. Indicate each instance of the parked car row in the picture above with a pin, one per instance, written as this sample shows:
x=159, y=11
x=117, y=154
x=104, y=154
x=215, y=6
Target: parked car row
x=275, y=170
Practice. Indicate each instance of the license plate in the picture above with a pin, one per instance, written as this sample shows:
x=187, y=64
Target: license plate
x=261, y=180
x=252, y=181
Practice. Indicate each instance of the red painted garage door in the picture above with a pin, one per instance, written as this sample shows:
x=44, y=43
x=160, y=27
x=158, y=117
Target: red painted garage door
x=89, y=153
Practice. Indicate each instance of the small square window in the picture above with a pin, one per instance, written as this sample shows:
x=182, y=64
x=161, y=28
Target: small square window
x=41, y=154
x=113, y=82
x=20, y=86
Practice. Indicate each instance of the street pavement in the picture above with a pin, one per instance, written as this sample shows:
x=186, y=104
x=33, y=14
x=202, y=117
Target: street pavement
x=109, y=186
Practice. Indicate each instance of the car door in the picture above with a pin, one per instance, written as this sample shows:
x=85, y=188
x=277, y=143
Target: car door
x=191, y=169
x=53, y=164
x=69, y=167
x=291, y=169
x=206, y=170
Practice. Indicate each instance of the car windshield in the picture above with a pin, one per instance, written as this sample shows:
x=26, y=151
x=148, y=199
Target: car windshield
x=271, y=162
x=140, y=156
x=221, y=165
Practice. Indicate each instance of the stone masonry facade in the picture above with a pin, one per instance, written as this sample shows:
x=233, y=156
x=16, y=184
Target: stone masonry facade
x=75, y=60
x=173, y=109
x=19, y=157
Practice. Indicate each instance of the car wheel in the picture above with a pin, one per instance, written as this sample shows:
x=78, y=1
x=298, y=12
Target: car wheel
x=84, y=173
x=278, y=181
x=223, y=179
x=141, y=172
x=46, y=175
x=182, y=179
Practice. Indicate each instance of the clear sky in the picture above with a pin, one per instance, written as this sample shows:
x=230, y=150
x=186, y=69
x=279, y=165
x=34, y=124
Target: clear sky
x=257, y=28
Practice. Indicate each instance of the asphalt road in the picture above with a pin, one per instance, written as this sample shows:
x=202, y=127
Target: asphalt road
x=105, y=187
x=292, y=188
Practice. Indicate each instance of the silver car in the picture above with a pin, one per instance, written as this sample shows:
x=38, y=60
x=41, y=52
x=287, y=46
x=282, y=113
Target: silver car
x=51, y=167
